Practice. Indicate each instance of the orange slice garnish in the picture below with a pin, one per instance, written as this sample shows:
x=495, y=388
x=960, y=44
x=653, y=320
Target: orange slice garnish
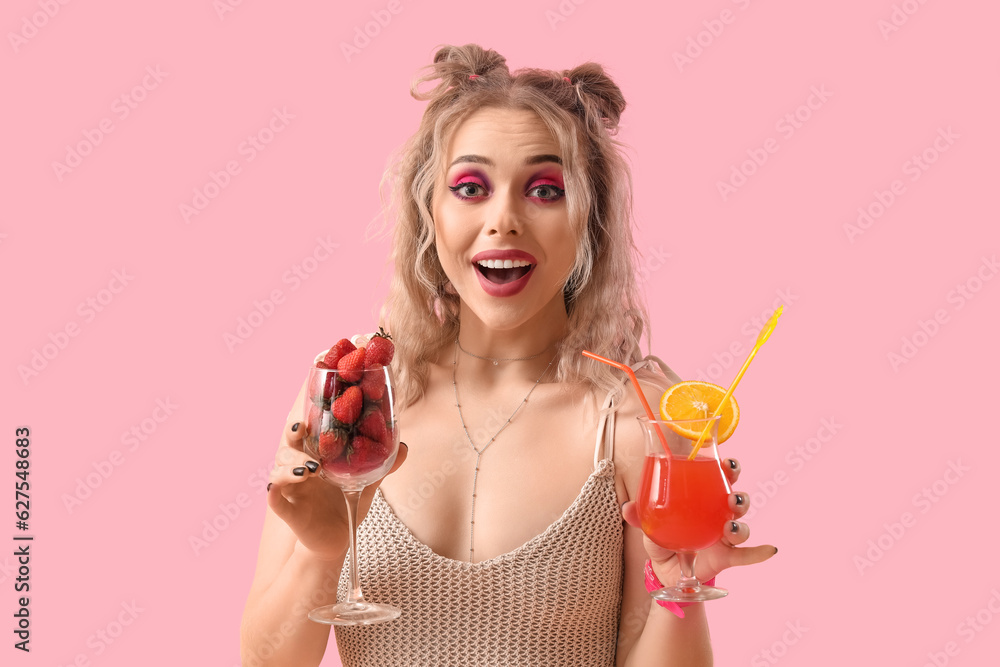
x=696, y=400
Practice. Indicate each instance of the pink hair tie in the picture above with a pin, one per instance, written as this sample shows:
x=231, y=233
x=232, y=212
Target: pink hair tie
x=473, y=76
x=566, y=79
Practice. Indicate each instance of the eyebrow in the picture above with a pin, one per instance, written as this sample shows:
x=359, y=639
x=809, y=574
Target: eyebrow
x=479, y=159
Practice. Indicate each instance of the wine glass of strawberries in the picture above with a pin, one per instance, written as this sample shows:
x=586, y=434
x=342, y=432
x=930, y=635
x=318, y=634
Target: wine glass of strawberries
x=352, y=432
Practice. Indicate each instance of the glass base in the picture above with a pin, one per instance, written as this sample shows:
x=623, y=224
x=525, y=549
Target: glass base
x=700, y=593
x=354, y=613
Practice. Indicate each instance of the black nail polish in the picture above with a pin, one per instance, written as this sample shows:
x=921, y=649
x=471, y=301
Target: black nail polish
x=269, y=485
x=295, y=427
x=298, y=472
x=732, y=464
x=734, y=527
x=312, y=465
x=775, y=549
x=739, y=499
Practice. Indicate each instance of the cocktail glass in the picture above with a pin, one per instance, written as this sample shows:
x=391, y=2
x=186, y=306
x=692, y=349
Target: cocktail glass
x=683, y=504
x=351, y=458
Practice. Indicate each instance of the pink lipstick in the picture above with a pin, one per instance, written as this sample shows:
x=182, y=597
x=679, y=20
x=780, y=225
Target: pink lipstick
x=503, y=272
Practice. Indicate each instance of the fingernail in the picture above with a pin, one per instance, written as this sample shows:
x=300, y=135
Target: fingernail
x=312, y=465
x=739, y=499
x=732, y=464
x=269, y=485
x=295, y=427
x=734, y=527
x=298, y=472
x=775, y=549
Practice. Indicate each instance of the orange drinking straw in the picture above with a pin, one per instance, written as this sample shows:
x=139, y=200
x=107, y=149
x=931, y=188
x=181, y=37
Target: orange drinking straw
x=638, y=390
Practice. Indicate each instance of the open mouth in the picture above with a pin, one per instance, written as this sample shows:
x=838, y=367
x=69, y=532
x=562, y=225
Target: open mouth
x=503, y=271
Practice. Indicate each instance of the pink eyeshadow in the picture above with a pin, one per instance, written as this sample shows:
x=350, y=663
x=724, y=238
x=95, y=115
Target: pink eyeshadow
x=469, y=177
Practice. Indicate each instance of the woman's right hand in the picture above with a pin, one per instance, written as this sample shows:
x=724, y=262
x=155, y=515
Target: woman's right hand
x=314, y=509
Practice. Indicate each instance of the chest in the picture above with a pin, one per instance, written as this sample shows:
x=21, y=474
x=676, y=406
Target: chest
x=531, y=467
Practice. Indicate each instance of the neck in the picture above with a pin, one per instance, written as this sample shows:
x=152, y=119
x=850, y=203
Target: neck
x=530, y=341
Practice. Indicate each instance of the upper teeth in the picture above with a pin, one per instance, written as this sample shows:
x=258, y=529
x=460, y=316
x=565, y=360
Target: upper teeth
x=502, y=263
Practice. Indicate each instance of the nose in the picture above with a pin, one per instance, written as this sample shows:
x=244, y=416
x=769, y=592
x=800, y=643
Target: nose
x=505, y=217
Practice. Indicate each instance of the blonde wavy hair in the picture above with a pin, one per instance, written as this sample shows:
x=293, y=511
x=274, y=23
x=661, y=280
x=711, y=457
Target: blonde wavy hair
x=581, y=108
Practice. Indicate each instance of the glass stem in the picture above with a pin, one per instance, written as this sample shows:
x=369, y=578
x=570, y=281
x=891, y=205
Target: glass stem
x=352, y=498
x=686, y=561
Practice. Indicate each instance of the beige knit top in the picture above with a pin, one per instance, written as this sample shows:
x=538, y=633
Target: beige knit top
x=552, y=601
x=555, y=600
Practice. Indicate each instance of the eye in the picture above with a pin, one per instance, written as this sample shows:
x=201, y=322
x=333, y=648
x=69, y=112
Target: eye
x=547, y=192
x=468, y=190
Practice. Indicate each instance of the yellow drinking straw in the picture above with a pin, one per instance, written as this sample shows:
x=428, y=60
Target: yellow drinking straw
x=765, y=333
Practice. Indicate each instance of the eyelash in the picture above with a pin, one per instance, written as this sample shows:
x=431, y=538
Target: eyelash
x=559, y=192
x=459, y=186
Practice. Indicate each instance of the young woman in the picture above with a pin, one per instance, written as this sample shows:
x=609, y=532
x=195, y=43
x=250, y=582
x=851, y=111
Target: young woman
x=499, y=532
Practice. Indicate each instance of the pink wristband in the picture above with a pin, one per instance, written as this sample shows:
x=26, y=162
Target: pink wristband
x=653, y=584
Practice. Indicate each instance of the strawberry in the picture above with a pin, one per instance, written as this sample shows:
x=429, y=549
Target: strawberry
x=373, y=382
x=329, y=385
x=312, y=425
x=339, y=349
x=366, y=454
x=347, y=406
x=351, y=366
x=379, y=349
x=385, y=405
x=319, y=419
x=339, y=465
x=361, y=456
x=332, y=443
x=322, y=388
x=372, y=424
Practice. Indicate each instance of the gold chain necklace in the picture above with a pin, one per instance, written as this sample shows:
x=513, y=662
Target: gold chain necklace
x=479, y=452
x=496, y=361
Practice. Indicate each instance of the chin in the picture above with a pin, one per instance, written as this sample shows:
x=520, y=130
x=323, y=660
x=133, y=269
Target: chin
x=511, y=313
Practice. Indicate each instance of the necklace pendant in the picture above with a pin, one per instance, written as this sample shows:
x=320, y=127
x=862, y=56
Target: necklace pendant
x=479, y=452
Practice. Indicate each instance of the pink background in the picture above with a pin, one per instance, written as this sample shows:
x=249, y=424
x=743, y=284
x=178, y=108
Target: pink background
x=870, y=571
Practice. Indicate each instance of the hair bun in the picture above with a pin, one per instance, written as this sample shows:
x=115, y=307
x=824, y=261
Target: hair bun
x=594, y=83
x=454, y=65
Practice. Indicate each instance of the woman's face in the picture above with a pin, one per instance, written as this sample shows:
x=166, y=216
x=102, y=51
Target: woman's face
x=500, y=217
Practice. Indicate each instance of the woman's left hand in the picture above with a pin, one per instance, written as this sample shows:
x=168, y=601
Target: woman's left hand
x=724, y=553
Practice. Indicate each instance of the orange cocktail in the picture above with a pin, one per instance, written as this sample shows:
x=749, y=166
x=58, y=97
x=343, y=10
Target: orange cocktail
x=683, y=504
x=683, y=498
